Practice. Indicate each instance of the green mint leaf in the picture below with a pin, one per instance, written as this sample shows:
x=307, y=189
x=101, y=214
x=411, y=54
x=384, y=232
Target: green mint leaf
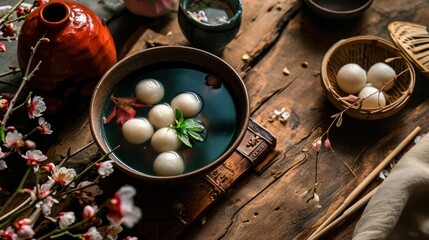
x=192, y=125
x=196, y=136
x=185, y=139
x=179, y=117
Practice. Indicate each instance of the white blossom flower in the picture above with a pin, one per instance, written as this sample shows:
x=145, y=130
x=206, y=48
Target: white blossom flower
x=315, y=201
x=122, y=209
x=14, y=140
x=92, y=234
x=36, y=107
x=24, y=230
x=105, y=168
x=199, y=16
x=87, y=194
x=46, y=205
x=44, y=127
x=34, y=157
x=65, y=219
x=63, y=175
x=42, y=191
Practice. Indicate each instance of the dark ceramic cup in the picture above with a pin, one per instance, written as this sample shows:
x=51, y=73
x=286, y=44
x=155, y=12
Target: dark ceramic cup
x=209, y=37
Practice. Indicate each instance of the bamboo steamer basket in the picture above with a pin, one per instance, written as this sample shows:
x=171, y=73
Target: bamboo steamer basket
x=366, y=51
x=412, y=39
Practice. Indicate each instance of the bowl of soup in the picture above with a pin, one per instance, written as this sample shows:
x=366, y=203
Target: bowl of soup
x=169, y=114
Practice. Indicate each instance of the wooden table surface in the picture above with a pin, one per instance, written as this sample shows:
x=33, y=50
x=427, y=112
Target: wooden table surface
x=278, y=34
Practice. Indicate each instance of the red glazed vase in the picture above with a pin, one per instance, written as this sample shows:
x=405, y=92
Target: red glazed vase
x=80, y=50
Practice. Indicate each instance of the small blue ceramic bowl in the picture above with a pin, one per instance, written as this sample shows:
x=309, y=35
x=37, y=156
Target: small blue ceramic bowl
x=205, y=36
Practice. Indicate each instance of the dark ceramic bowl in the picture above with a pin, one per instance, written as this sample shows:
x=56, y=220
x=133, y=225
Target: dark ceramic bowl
x=208, y=37
x=339, y=9
x=225, y=111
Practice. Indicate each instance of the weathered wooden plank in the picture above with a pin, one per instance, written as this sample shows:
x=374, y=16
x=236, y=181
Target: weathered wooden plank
x=269, y=206
x=261, y=24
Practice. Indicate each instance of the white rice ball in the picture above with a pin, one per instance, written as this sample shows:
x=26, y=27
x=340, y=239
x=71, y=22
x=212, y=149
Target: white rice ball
x=165, y=139
x=188, y=103
x=161, y=115
x=137, y=130
x=169, y=164
x=380, y=74
x=351, y=78
x=375, y=101
x=149, y=91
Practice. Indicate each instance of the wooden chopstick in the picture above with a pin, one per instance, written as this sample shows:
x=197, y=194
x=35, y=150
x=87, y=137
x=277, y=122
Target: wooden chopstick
x=367, y=180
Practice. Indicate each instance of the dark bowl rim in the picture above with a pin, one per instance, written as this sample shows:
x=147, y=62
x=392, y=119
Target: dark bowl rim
x=95, y=123
x=337, y=13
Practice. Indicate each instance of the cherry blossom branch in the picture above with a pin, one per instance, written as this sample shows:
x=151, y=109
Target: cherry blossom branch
x=27, y=76
x=4, y=18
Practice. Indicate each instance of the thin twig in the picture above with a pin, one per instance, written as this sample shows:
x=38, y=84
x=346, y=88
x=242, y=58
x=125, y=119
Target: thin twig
x=12, y=71
x=368, y=179
x=25, y=79
x=4, y=18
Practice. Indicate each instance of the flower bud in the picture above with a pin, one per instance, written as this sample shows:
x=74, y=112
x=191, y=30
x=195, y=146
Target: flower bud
x=2, y=47
x=30, y=144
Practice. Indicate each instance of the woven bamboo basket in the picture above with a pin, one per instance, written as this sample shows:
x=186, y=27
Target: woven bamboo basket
x=366, y=51
x=412, y=39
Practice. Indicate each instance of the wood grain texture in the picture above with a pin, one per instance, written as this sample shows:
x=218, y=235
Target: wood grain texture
x=278, y=34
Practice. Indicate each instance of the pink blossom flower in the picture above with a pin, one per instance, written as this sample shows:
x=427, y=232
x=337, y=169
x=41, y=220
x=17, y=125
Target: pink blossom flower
x=105, y=168
x=122, y=209
x=24, y=230
x=64, y=175
x=36, y=107
x=316, y=144
x=8, y=234
x=34, y=157
x=44, y=127
x=2, y=47
x=112, y=231
x=14, y=140
x=92, y=234
x=327, y=143
x=87, y=194
x=131, y=238
x=43, y=192
x=49, y=167
x=4, y=103
x=65, y=219
x=8, y=30
x=89, y=211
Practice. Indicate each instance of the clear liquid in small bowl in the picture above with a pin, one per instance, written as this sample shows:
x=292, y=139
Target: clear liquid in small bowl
x=210, y=12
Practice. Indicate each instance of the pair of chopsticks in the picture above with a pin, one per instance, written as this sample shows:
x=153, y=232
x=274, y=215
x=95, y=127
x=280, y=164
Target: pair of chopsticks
x=330, y=222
